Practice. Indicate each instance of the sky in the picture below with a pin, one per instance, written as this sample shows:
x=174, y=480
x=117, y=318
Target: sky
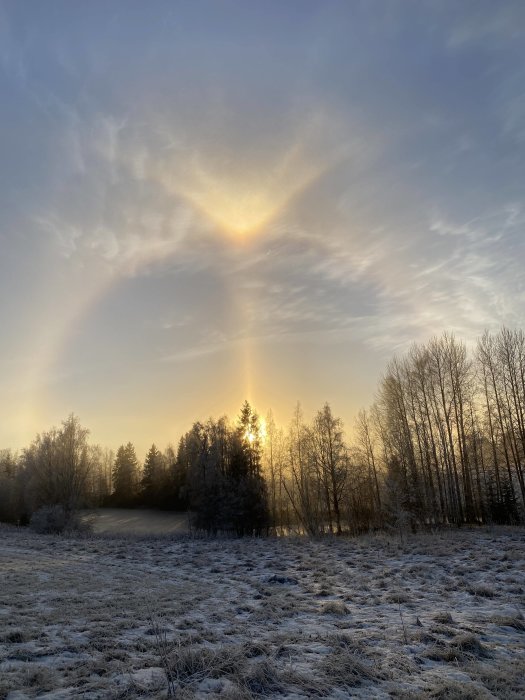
x=203, y=202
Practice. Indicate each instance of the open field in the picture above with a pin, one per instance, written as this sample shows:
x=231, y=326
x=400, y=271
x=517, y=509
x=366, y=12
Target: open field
x=123, y=521
x=436, y=616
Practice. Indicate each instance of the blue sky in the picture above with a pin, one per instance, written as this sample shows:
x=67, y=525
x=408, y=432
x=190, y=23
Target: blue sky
x=206, y=201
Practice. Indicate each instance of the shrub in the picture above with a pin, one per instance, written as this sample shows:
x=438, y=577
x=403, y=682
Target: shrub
x=334, y=607
x=482, y=590
x=444, y=618
x=347, y=668
x=53, y=520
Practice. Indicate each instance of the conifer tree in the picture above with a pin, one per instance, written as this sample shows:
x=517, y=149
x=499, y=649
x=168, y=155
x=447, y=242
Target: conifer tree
x=151, y=482
x=125, y=475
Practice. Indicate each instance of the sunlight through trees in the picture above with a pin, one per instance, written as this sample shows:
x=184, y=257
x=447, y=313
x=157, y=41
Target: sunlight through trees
x=443, y=443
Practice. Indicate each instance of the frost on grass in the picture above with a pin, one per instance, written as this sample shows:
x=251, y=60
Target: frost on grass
x=434, y=616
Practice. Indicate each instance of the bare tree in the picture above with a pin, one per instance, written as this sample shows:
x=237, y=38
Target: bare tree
x=58, y=465
x=329, y=454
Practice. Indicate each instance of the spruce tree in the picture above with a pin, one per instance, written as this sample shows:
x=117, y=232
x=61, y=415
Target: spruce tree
x=125, y=476
x=151, y=483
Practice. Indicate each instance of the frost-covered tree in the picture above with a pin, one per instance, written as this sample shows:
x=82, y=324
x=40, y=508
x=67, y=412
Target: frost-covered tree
x=329, y=454
x=57, y=467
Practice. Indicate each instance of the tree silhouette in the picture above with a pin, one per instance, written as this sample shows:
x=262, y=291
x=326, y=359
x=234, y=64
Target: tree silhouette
x=152, y=477
x=125, y=476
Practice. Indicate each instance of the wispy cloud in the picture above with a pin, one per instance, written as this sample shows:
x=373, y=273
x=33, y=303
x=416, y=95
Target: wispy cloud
x=178, y=193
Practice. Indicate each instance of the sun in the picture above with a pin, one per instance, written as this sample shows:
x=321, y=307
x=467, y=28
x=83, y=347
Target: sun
x=238, y=208
x=260, y=435
x=242, y=197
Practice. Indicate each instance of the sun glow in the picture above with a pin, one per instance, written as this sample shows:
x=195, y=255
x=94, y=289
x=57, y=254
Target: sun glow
x=237, y=208
x=262, y=429
x=243, y=194
x=260, y=434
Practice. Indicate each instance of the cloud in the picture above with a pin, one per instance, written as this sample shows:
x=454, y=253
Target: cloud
x=355, y=182
x=486, y=22
x=149, y=198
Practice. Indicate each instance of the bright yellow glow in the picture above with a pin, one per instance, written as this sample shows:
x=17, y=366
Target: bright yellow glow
x=251, y=437
x=235, y=206
x=262, y=429
x=242, y=192
x=245, y=204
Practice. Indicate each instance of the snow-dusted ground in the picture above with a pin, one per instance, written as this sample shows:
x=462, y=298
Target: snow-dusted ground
x=123, y=521
x=436, y=616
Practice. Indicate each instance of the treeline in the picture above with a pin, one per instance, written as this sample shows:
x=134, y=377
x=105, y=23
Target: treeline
x=449, y=430
x=59, y=468
x=216, y=473
x=442, y=444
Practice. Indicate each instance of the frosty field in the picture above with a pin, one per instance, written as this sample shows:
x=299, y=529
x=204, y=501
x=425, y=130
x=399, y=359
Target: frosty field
x=120, y=521
x=434, y=616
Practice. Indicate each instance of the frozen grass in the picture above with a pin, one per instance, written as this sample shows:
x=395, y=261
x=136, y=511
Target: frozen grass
x=434, y=616
x=122, y=521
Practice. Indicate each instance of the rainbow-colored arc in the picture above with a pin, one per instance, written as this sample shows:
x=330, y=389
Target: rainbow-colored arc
x=239, y=207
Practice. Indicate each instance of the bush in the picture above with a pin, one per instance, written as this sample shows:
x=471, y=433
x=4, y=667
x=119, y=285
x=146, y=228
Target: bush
x=53, y=520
